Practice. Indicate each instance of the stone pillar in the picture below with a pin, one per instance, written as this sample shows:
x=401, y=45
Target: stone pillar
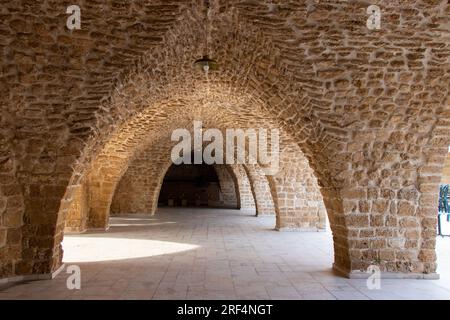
x=11, y=220
x=247, y=201
x=227, y=187
x=138, y=190
x=261, y=190
x=297, y=198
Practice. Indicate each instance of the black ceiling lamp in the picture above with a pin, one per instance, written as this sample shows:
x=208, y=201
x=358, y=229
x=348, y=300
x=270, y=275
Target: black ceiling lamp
x=205, y=63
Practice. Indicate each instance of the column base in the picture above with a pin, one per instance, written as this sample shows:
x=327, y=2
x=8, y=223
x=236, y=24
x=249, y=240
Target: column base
x=296, y=229
x=31, y=277
x=265, y=214
x=357, y=274
x=248, y=210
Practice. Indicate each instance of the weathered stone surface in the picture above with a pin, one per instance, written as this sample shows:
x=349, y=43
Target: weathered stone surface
x=369, y=110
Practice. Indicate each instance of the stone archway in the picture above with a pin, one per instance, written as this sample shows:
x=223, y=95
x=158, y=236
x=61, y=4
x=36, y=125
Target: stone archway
x=228, y=187
x=372, y=118
x=261, y=190
x=304, y=215
x=139, y=188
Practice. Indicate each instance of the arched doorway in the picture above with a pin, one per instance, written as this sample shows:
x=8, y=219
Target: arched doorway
x=366, y=122
x=195, y=185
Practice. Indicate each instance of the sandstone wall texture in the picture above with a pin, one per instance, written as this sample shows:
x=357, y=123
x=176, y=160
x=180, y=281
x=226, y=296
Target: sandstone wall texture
x=11, y=220
x=228, y=187
x=260, y=189
x=78, y=214
x=446, y=171
x=246, y=199
x=368, y=109
x=298, y=201
x=138, y=190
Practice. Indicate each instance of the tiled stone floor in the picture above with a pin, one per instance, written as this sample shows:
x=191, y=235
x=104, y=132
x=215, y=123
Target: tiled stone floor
x=214, y=254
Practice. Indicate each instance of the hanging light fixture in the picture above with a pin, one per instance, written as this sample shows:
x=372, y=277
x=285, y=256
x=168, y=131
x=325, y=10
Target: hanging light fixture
x=205, y=63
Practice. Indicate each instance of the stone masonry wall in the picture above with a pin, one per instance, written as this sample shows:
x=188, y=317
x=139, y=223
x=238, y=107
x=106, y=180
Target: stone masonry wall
x=11, y=221
x=261, y=190
x=134, y=193
x=142, y=179
x=369, y=110
x=228, y=188
x=446, y=171
x=78, y=213
x=247, y=201
x=296, y=193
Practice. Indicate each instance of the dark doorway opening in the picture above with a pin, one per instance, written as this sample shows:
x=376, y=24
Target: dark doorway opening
x=191, y=185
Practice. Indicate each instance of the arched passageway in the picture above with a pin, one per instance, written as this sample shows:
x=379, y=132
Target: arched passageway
x=186, y=185
x=363, y=118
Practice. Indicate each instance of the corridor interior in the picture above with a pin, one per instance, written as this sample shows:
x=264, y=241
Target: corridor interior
x=341, y=122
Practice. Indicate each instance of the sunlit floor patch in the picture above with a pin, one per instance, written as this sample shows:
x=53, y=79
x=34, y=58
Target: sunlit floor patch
x=95, y=249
